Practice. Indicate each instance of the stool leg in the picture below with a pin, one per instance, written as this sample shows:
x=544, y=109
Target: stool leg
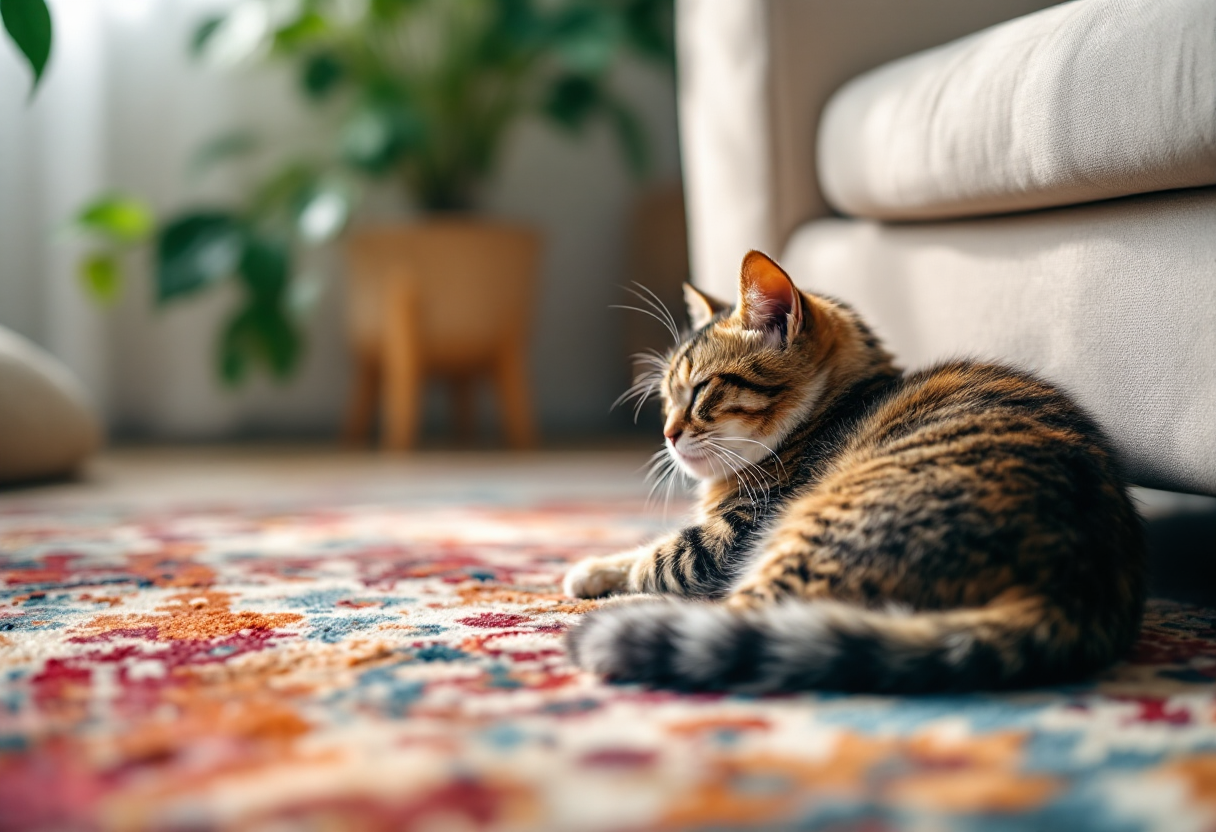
x=514, y=397
x=402, y=362
x=361, y=408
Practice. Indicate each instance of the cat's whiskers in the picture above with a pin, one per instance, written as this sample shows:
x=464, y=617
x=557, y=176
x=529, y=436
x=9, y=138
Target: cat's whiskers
x=647, y=384
x=657, y=361
x=675, y=334
x=746, y=480
x=726, y=467
x=759, y=472
x=642, y=389
x=771, y=452
x=644, y=386
x=676, y=471
x=655, y=459
x=658, y=459
x=645, y=397
x=656, y=303
x=662, y=472
x=656, y=309
x=749, y=472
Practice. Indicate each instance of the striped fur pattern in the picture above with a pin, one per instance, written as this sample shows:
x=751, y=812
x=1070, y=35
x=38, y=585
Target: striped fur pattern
x=963, y=527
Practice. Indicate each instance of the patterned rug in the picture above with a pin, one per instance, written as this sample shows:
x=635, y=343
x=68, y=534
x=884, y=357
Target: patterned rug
x=401, y=667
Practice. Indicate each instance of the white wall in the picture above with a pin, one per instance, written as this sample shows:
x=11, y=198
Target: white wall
x=121, y=106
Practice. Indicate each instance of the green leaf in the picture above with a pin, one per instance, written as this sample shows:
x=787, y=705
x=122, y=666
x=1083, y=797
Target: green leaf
x=322, y=73
x=221, y=148
x=516, y=29
x=631, y=137
x=120, y=218
x=650, y=29
x=586, y=37
x=235, y=351
x=279, y=341
x=264, y=268
x=203, y=34
x=263, y=331
x=259, y=334
x=28, y=23
x=280, y=193
x=387, y=10
x=101, y=276
x=572, y=99
x=323, y=211
x=375, y=137
x=307, y=27
x=230, y=39
x=195, y=251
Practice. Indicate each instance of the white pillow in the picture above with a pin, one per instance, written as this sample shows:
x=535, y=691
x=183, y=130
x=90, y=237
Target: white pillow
x=47, y=427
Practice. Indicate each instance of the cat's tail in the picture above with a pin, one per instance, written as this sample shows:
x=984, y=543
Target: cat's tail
x=693, y=645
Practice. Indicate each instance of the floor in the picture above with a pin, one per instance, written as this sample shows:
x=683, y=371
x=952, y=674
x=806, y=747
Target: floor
x=148, y=475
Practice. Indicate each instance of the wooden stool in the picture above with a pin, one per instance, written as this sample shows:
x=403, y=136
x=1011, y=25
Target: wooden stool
x=452, y=298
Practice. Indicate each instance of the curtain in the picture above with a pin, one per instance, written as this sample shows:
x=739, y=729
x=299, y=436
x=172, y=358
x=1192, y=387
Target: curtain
x=122, y=106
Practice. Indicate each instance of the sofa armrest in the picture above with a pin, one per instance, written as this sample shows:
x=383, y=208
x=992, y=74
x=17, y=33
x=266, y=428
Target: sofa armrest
x=754, y=76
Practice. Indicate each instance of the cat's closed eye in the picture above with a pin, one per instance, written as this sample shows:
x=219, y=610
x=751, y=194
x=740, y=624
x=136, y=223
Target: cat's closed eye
x=696, y=393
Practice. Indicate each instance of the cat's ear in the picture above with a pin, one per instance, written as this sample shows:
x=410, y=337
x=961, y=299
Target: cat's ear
x=701, y=307
x=768, y=299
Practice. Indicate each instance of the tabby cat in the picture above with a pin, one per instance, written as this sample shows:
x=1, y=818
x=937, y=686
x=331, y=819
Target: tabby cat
x=962, y=527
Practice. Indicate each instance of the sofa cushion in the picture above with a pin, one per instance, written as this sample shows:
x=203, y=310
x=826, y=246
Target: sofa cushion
x=46, y=425
x=1114, y=301
x=1080, y=102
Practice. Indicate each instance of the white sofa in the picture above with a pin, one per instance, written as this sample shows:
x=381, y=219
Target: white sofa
x=1038, y=192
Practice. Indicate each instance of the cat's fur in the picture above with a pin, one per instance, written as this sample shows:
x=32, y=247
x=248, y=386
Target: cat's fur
x=961, y=527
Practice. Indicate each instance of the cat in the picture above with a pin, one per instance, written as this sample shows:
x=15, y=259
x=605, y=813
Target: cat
x=860, y=529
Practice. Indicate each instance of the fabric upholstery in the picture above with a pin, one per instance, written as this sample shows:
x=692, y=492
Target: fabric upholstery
x=46, y=425
x=1115, y=301
x=1088, y=100
x=754, y=76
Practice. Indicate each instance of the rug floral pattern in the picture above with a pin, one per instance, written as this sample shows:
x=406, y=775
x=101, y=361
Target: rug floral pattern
x=401, y=667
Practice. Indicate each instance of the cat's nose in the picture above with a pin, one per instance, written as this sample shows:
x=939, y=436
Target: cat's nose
x=673, y=434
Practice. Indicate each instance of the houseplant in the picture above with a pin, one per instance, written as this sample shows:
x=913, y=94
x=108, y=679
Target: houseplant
x=422, y=92
x=28, y=24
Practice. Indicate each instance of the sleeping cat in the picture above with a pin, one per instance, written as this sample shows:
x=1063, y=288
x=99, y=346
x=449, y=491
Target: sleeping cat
x=963, y=527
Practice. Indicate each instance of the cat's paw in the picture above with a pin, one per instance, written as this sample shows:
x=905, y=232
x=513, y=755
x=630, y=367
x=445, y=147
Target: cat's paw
x=597, y=577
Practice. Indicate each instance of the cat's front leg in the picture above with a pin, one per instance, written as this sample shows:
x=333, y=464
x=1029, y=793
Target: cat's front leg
x=690, y=562
x=600, y=576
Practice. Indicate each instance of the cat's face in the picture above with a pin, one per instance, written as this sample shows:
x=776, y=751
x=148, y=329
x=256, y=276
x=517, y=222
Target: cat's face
x=741, y=381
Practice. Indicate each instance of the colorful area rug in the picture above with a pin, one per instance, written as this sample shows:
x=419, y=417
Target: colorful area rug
x=399, y=668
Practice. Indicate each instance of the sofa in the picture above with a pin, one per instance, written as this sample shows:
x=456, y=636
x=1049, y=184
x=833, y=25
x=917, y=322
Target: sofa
x=1008, y=180
x=48, y=426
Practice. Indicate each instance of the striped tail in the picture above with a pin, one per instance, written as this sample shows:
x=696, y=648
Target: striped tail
x=692, y=645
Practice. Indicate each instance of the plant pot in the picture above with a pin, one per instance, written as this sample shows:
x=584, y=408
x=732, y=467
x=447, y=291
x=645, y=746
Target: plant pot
x=450, y=298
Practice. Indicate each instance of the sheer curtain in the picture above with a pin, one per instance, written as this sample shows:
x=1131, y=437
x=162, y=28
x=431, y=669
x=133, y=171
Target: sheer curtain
x=123, y=107
x=52, y=156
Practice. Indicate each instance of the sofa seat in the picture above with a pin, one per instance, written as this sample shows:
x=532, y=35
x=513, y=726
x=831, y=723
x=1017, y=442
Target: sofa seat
x=1088, y=100
x=1114, y=301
